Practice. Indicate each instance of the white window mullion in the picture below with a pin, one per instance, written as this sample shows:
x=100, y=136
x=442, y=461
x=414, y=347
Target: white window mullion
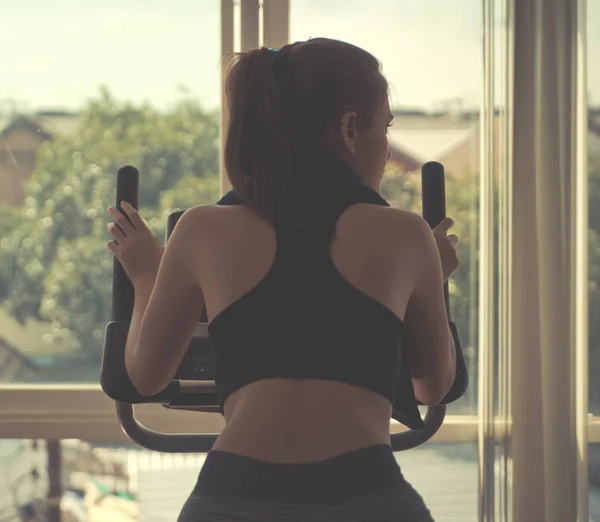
x=487, y=249
x=580, y=276
x=502, y=510
x=260, y=23
x=249, y=25
x=227, y=48
x=276, y=23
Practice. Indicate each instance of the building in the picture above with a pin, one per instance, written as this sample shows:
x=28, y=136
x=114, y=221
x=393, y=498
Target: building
x=20, y=140
x=415, y=138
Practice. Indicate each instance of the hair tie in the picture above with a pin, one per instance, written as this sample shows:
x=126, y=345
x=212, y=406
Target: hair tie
x=275, y=64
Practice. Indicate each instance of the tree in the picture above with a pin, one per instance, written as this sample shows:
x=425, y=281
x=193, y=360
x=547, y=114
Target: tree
x=55, y=264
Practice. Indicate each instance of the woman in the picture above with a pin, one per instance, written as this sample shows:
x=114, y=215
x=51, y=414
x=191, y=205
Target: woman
x=313, y=287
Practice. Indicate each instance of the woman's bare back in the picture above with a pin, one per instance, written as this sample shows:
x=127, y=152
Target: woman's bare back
x=306, y=420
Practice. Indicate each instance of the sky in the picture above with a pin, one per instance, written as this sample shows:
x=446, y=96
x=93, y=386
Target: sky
x=57, y=54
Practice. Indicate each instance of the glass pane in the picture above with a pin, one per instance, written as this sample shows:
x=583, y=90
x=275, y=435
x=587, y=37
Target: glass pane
x=593, y=74
x=436, y=111
x=93, y=87
x=124, y=483
x=445, y=474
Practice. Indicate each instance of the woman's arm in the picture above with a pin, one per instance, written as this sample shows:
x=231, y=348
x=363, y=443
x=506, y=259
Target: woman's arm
x=428, y=340
x=166, y=310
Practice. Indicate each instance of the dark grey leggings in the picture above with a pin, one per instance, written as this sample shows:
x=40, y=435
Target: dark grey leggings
x=364, y=485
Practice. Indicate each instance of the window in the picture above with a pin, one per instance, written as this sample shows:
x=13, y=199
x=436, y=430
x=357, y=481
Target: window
x=62, y=143
x=73, y=108
x=74, y=113
x=141, y=86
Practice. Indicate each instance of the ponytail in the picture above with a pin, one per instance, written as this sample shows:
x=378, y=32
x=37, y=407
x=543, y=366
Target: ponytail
x=284, y=105
x=257, y=150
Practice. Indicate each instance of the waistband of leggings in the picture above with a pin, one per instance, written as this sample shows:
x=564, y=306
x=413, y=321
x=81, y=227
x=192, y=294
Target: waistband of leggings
x=327, y=482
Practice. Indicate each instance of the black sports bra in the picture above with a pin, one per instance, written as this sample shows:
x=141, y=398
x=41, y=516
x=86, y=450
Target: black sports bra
x=304, y=319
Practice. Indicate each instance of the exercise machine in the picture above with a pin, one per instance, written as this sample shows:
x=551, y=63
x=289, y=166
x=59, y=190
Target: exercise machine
x=193, y=384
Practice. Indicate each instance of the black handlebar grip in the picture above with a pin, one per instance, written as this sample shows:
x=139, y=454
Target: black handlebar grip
x=433, y=193
x=434, y=203
x=128, y=180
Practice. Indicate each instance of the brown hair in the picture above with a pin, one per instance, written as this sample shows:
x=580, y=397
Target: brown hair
x=288, y=100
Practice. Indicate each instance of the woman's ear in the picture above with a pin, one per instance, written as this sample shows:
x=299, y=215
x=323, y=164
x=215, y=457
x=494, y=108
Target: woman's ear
x=348, y=127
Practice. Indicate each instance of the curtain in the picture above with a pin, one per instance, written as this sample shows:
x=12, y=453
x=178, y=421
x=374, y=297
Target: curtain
x=544, y=235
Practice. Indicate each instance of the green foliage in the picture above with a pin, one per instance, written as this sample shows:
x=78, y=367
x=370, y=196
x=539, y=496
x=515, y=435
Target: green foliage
x=54, y=263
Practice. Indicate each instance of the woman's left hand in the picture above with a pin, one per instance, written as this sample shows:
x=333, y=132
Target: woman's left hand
x=135, y=246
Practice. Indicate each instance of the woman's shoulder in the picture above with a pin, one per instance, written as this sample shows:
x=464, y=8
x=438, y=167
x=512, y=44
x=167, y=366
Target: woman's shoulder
x=217, y=210
x=214, y=219
x=391, y=219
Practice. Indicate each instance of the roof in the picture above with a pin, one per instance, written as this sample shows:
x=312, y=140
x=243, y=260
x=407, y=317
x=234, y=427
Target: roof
x=425, y=137
x=421, y=137
x=415, y=138
x=58, y=122
x=29, y=337
x=23, y=123
x=42, y=123
x=428, y=144
x=14, y=363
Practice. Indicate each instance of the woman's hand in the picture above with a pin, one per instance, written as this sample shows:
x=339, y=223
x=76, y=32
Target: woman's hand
x=447, y=247
x=138, y=250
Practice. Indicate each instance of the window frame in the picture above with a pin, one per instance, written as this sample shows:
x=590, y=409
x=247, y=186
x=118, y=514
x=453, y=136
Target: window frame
x=83, y=411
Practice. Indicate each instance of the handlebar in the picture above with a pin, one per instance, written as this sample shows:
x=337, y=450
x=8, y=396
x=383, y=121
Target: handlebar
x=117, y=385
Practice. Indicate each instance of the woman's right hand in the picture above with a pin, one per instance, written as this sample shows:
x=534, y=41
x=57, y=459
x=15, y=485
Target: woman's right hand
x=447, y=247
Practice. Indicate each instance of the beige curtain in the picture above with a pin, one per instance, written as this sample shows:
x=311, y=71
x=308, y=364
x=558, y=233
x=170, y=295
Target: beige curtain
x=545, y=263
